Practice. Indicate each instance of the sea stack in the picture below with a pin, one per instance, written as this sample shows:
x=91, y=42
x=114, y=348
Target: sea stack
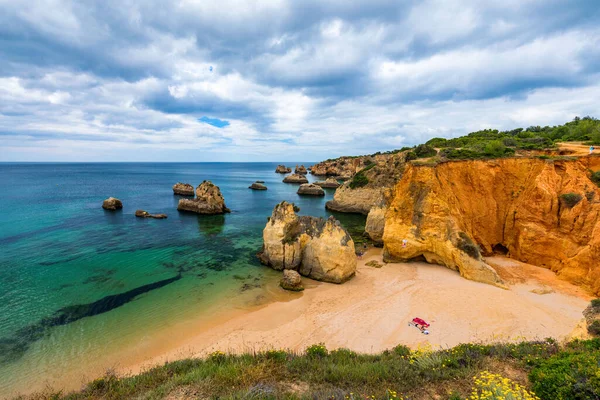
x=282, y=169
x=314, y=247
x=295, y=178
x=146, y=214
x=209, y=200
x=183, y=189
x=112, y=204
x=257, y=186
x=300, y=170
x=308, y=189
x=328, y=183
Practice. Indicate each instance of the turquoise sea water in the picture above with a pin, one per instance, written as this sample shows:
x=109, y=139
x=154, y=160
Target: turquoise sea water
x=81, y=287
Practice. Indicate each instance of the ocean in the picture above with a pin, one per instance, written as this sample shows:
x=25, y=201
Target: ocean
x=83, y=289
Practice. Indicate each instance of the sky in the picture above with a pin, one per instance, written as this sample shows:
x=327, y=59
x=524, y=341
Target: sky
x=250, y=80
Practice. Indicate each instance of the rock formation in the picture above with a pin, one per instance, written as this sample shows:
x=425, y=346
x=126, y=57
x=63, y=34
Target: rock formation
x=291, y=281
x=317, y=248
x=300, y=170
x=282, y=169
x=295, y=178
x=209, y=200
x=257, y=186
x=146, y=214
x=375, y=224
x=542, y=212
x=112, y=204
x=183, y=189
x=309, y=189
x=328, y=183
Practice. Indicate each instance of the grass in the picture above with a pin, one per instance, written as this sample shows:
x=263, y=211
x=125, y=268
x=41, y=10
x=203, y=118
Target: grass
x=319, y=373
x=570, y=200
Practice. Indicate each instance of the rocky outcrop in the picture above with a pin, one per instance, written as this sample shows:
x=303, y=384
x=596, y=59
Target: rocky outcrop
x=282, y=169
x=300, y=170
x=308, y=189
x=328, y=183
x=291, y=281
x=317, y=248
x=542, y=212
x=375, y=224
x=112, y=204
x=295, y=178
x=146, y=214
x=183, y=189
x=209, y=200
x=257, y=186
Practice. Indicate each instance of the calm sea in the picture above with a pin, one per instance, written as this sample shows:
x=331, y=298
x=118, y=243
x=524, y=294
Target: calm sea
x=81, y=288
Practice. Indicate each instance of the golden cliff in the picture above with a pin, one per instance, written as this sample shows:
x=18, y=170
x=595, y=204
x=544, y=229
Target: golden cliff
x=543, y=212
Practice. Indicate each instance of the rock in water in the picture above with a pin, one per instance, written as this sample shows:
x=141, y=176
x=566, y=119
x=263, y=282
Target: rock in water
x=183, y=189
x=257, y=186
x=317, y=248
x=209, y=200
x=291, y=281
x=300, y=170
x=309, y=189
x=295, y=178
x=282, y=169
x=112, y=204
x=328, y=183
x=146, y=214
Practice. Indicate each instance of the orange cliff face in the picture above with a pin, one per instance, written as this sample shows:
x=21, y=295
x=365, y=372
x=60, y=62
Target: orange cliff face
x=443, y=212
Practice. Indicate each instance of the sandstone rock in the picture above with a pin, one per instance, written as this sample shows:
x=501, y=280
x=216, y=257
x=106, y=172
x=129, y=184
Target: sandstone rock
x=112, y=204
x=308, y=189
x=375, y=224
x=295, y=178
x=358, y=200
x=317, y=248
x=146, y=214
x=291, y=281
x=282, y=169
x=257, y=186
x=183, y=189
x=452, y=212
x=209, y=200
x=328, y=183
x=300, y=170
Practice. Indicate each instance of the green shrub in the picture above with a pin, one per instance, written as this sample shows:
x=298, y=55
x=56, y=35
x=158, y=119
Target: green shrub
x=594, y=328
x=595, y=304
x=570, y=200
x=411, y=155
x=424, y=151
x=494, y=149
x=401, y=350
x=317, y=350
x=596, y=177
x=276, y=355
x=360, y=179
x=437, y=142
x=567, y=376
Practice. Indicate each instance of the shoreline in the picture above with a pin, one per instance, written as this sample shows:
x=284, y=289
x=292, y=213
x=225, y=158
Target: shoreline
x=370, y=312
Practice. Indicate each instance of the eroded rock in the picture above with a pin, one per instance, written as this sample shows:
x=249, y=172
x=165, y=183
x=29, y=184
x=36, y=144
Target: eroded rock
x=112, y=204
x=257, y=186
x=295, y=178
x=183, y=189
x=291, y=280
x=308, y=189
x=300, y=170
x=328, y=183
x=209, y=200
x=146, y=214
x=282, y=169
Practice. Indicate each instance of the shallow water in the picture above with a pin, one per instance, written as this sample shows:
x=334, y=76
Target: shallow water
x=82, y=288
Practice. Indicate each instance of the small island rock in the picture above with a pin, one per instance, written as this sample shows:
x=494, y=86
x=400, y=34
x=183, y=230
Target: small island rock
x=328, y=183
x=282, y=169
x=301, y=170
x=209, y=200
x=309, y=189
x=183, y=189
x=112, y=204
x=257, y=186
x=146, y=214
x=291, y=281
x=295, y=178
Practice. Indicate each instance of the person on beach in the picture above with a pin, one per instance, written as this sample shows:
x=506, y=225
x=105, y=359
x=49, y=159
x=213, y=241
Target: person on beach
x=592, y=149
x=404, y=242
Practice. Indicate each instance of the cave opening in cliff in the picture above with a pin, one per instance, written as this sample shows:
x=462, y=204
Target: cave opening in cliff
x=499, y=248
x=419, y=258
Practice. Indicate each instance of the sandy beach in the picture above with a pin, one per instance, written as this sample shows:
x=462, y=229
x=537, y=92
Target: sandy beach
x=370, y=312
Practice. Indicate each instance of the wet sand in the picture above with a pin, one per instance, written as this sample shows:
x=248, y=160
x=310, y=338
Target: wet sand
x=370, y=313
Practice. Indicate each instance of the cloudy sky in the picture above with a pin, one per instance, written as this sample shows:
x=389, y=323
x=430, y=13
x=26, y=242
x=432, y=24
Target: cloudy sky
x=249, y=80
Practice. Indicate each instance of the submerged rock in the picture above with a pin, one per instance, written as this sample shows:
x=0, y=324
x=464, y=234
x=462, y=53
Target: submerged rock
x=209, y=200
x=257, y=186
x=291, y=281
x=282, y=169
x=300, y=170
x=308, y=189
x=146, y=214
x=328, y=183
x=295, y=178
x=112, y=204
x=317, y=248
x=183, y=189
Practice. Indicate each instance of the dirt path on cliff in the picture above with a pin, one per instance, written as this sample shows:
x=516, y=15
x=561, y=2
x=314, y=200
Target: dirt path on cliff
x=370, y=313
